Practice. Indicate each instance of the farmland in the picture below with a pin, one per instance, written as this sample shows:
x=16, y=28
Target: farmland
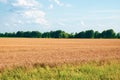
x=59, y=52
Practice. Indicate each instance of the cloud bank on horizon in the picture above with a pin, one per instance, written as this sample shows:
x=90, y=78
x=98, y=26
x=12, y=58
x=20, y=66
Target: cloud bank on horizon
x=68, y=15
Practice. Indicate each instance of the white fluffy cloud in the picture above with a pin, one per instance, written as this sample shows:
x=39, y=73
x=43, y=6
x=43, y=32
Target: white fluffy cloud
x=34, y=13
x=59, y=3
x=36, y=16
x=31, y=12
x=26, y=3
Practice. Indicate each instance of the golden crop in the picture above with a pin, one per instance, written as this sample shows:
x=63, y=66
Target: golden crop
x=23, y=51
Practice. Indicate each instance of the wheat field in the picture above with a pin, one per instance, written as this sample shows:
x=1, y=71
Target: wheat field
x=25, y=51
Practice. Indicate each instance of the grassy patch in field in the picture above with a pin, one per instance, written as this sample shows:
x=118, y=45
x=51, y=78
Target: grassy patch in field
x=87, y=71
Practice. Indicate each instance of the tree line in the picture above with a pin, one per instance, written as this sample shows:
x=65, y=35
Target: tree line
x=62, y=34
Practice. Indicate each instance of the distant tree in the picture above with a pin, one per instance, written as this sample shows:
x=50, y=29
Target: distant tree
x=97, y=34
x=6, y=34
x=80, y=35
x=52, y=34
x=71, y=35
x=36, y=34
x=89, y=34
x=46, y=35
x=118, y=35
x=76, y=35
x=59, y=34
x=110, y=33
x=103, y=34
x=11, y=34
x=1, y=35
x=27, y=34
x=20, y=34
x=62, y=34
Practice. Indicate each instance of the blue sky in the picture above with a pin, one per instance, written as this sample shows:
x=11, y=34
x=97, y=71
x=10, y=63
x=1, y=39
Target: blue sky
x=67, y=15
